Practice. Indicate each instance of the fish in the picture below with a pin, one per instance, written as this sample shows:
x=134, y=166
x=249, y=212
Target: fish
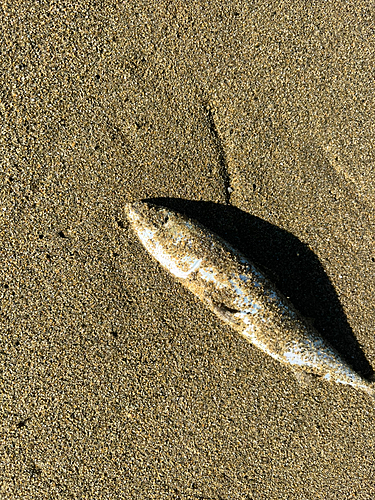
x=239, y=293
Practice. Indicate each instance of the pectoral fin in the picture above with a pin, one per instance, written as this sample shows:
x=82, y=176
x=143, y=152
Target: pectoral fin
x=302, y=377
x=225, y=313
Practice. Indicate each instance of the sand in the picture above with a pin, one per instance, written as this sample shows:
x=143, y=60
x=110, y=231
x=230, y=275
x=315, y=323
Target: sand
x=256, y=118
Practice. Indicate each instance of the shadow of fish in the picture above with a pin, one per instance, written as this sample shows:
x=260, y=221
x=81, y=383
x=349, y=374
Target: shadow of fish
x=236, y=291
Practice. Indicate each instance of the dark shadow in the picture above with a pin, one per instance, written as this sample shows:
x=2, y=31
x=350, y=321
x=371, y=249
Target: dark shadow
x=289, y=263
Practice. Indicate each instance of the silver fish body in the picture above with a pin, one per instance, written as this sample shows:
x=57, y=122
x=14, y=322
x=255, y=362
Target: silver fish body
x=235, y=290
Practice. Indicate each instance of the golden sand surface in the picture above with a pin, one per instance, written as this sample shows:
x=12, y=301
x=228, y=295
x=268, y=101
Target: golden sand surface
x=256, y=118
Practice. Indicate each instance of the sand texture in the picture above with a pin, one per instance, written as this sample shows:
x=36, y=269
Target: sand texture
x=256, y=118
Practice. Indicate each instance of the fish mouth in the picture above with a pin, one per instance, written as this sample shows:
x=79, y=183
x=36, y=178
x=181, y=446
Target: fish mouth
x=139, y=212
x=143, y=212
x=135, y=210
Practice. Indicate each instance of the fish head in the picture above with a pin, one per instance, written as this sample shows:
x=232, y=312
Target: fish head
x=168, y=236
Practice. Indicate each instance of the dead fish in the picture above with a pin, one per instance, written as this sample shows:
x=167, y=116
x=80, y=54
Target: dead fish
x=236, y=291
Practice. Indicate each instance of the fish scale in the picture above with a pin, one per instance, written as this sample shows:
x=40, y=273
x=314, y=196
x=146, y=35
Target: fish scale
x=238, y=293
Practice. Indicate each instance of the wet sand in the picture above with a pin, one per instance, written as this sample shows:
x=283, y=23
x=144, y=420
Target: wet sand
x=258, y=120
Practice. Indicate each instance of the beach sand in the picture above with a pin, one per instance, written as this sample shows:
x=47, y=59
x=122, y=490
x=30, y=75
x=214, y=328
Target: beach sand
x=256, y=118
